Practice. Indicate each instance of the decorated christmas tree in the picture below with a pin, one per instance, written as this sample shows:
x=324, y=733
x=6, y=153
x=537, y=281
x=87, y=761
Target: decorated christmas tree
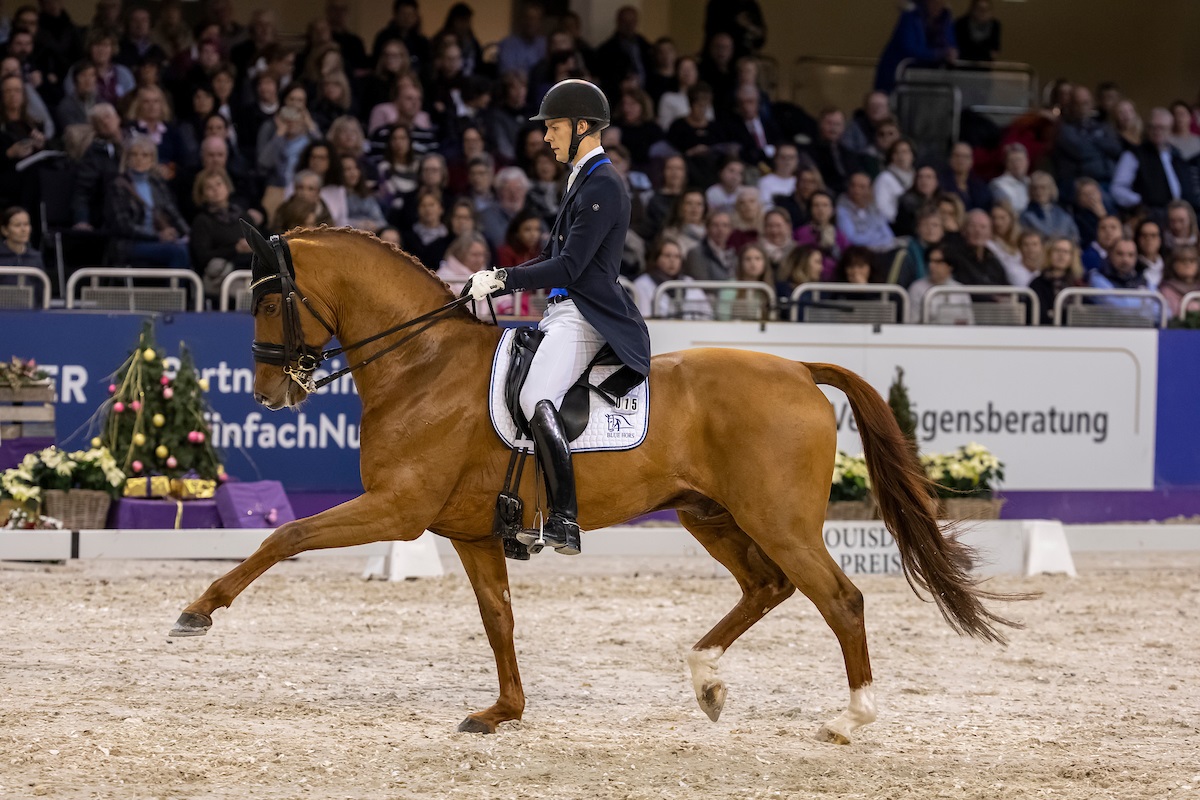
x=902, y=409
x=155, y=423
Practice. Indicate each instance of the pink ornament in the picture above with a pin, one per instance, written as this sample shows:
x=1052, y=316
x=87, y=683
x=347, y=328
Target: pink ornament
x=164, y=380
x=272, y=516
x=192, y=437
x=112, y=388
x=222, y=476
x=168, y=393
x=137, y=466
x=118, y=407
x=199, y=437
x=136, y=405
x=172, y=463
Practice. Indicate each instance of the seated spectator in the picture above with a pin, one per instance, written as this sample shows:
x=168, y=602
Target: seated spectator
x=1005, y=244
x=405, y=111
x=944, y=308
x=392, y=62
x=304, y=207
x=1119, y=271
x=912, y=263
x=74, y=107
x=1108, y=232
x=802, y=265
x=1013, y=185
x=21, y=135
x=752, y=267
x=15, y=230
x=1182, y=137
x=347, y=138
x=865, y=121
x=1033, y=252
x=140, y=212
x=1181, y=225
x=753, y=131
x=280, y=153
x=747, y=218
x=1128, y=123
x=215, y=156
x=390, y=235
x=433, y=174
x=1153, y=174
x=1090, y=208
x=925, y=34
x=463, y=218
x=808, y=183
x=521, y=50
x=1084, y=148
x=776, y=240
x=975, y=264
x=481, y=174
x=430, y=237
x=875, y=158
x=923, y=192
x=523, y=241
x=978, y=33
x=713, y=259
x=660, y=78
x=190, y=126
x=675, y=104
x=1182, y=276
x=781, y=180
x=954, y=218
x=835, y=161
x=333, y=99
x=349, y=199
x=659, y=205
x=113, y=80
x=506, y=116
x=97, y=168
x=512, y=189
x=1043, y=214
x=856, y=266
x=546, y=188
x=859, y=220
x=458, y=25
x=404, y=26
x=170, y=32
x=665, y=263
x=639, y=131
x=686, y=224
x=397, y=179
x=465, y=256
x=723, y=195
x=318, y=158
x=216, y=243
x=696, y=135
x=895, y=179
x=960, y=179
x=822, y=231
x=251, y=117
x=471, y=146
x=1147, y=236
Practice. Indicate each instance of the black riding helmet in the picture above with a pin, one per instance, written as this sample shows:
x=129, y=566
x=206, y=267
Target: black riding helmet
x=575, y=99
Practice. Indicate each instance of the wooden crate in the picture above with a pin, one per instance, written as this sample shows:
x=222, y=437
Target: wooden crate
x=26, y=412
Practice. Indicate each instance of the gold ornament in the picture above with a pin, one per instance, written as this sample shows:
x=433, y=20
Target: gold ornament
x=139, y=439
x=159, y=420
x=148, y=354
x=161, y=451
x=152, y=486
x=203, y=383
x=96, y=442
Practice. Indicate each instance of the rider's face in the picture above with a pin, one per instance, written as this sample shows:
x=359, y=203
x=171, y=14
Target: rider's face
x=558, y=136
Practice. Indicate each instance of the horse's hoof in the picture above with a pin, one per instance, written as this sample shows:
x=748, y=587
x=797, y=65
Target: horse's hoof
x=828, y=734
x=712, y=699
x=473, y=725
x=190, y=624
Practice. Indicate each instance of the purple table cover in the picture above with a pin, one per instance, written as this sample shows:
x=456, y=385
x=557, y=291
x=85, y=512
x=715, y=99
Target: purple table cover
x=13, y=450
x=130, y=513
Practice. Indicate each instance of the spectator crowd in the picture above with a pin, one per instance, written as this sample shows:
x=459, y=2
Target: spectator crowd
x=145, y=137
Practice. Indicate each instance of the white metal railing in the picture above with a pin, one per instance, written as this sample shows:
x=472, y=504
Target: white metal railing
x=866, y=311
x=726, y=304
x=1103, y=315
x=1011, y=312
x=230, y=293
x=21, y=273
x=172, y=297
x=627, y=285
x=1188, y=299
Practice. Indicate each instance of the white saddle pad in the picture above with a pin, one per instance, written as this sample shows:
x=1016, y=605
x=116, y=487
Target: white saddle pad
x=622, y=427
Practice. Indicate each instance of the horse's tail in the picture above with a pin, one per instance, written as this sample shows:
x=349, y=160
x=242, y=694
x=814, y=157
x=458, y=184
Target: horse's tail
x=933, y=559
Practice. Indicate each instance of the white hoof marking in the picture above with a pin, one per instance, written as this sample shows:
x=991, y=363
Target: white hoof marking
x=861, y=712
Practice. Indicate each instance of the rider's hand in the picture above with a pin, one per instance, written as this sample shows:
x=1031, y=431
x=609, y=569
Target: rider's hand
x=486, y=282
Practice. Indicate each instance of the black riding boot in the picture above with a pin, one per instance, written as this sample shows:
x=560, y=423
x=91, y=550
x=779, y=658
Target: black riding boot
x=554, y=456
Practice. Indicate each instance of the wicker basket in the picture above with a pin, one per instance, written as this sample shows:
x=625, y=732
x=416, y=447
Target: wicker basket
x=78, y=509
x=851, y=509
x=970, y=508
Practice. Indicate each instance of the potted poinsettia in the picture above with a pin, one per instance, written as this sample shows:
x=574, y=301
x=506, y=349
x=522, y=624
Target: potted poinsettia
x=74, y=487
x=850, y=493
x=967, y=480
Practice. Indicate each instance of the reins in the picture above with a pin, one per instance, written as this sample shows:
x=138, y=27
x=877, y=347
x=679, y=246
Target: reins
x=308, y=359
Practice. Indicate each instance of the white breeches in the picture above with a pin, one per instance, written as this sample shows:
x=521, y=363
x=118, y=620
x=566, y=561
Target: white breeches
x=570, y=343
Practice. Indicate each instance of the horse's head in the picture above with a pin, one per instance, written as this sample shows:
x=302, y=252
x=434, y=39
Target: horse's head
x=288, y=332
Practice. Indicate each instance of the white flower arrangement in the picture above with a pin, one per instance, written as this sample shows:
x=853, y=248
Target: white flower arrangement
x=969, y=471
x=56, y=469
x=851, y=481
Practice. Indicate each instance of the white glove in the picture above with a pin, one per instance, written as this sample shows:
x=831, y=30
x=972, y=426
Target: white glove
x=485, y=283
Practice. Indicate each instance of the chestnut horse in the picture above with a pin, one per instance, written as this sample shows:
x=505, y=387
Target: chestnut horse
x=722, y=424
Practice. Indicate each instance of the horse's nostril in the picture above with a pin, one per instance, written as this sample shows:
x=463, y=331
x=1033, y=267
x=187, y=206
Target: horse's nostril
x=260, y=398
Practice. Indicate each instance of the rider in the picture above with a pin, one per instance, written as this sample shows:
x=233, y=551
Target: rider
x=587, y=306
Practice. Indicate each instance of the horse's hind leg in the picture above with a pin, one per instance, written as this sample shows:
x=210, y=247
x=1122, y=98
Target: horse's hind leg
x=365, y=519
x=797, y=547
x=764, y=586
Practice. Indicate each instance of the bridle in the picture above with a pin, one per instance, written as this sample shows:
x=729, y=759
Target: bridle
x=297, y=357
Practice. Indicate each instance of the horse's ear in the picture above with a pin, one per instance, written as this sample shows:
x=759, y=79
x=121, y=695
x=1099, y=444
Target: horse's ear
x=258, y=245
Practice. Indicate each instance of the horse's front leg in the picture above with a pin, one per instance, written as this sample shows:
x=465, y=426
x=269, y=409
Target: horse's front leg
x=485, y=566
x=365, y=519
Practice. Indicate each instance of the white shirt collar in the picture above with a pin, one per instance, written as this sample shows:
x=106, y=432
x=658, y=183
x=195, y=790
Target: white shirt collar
x=581, y=160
